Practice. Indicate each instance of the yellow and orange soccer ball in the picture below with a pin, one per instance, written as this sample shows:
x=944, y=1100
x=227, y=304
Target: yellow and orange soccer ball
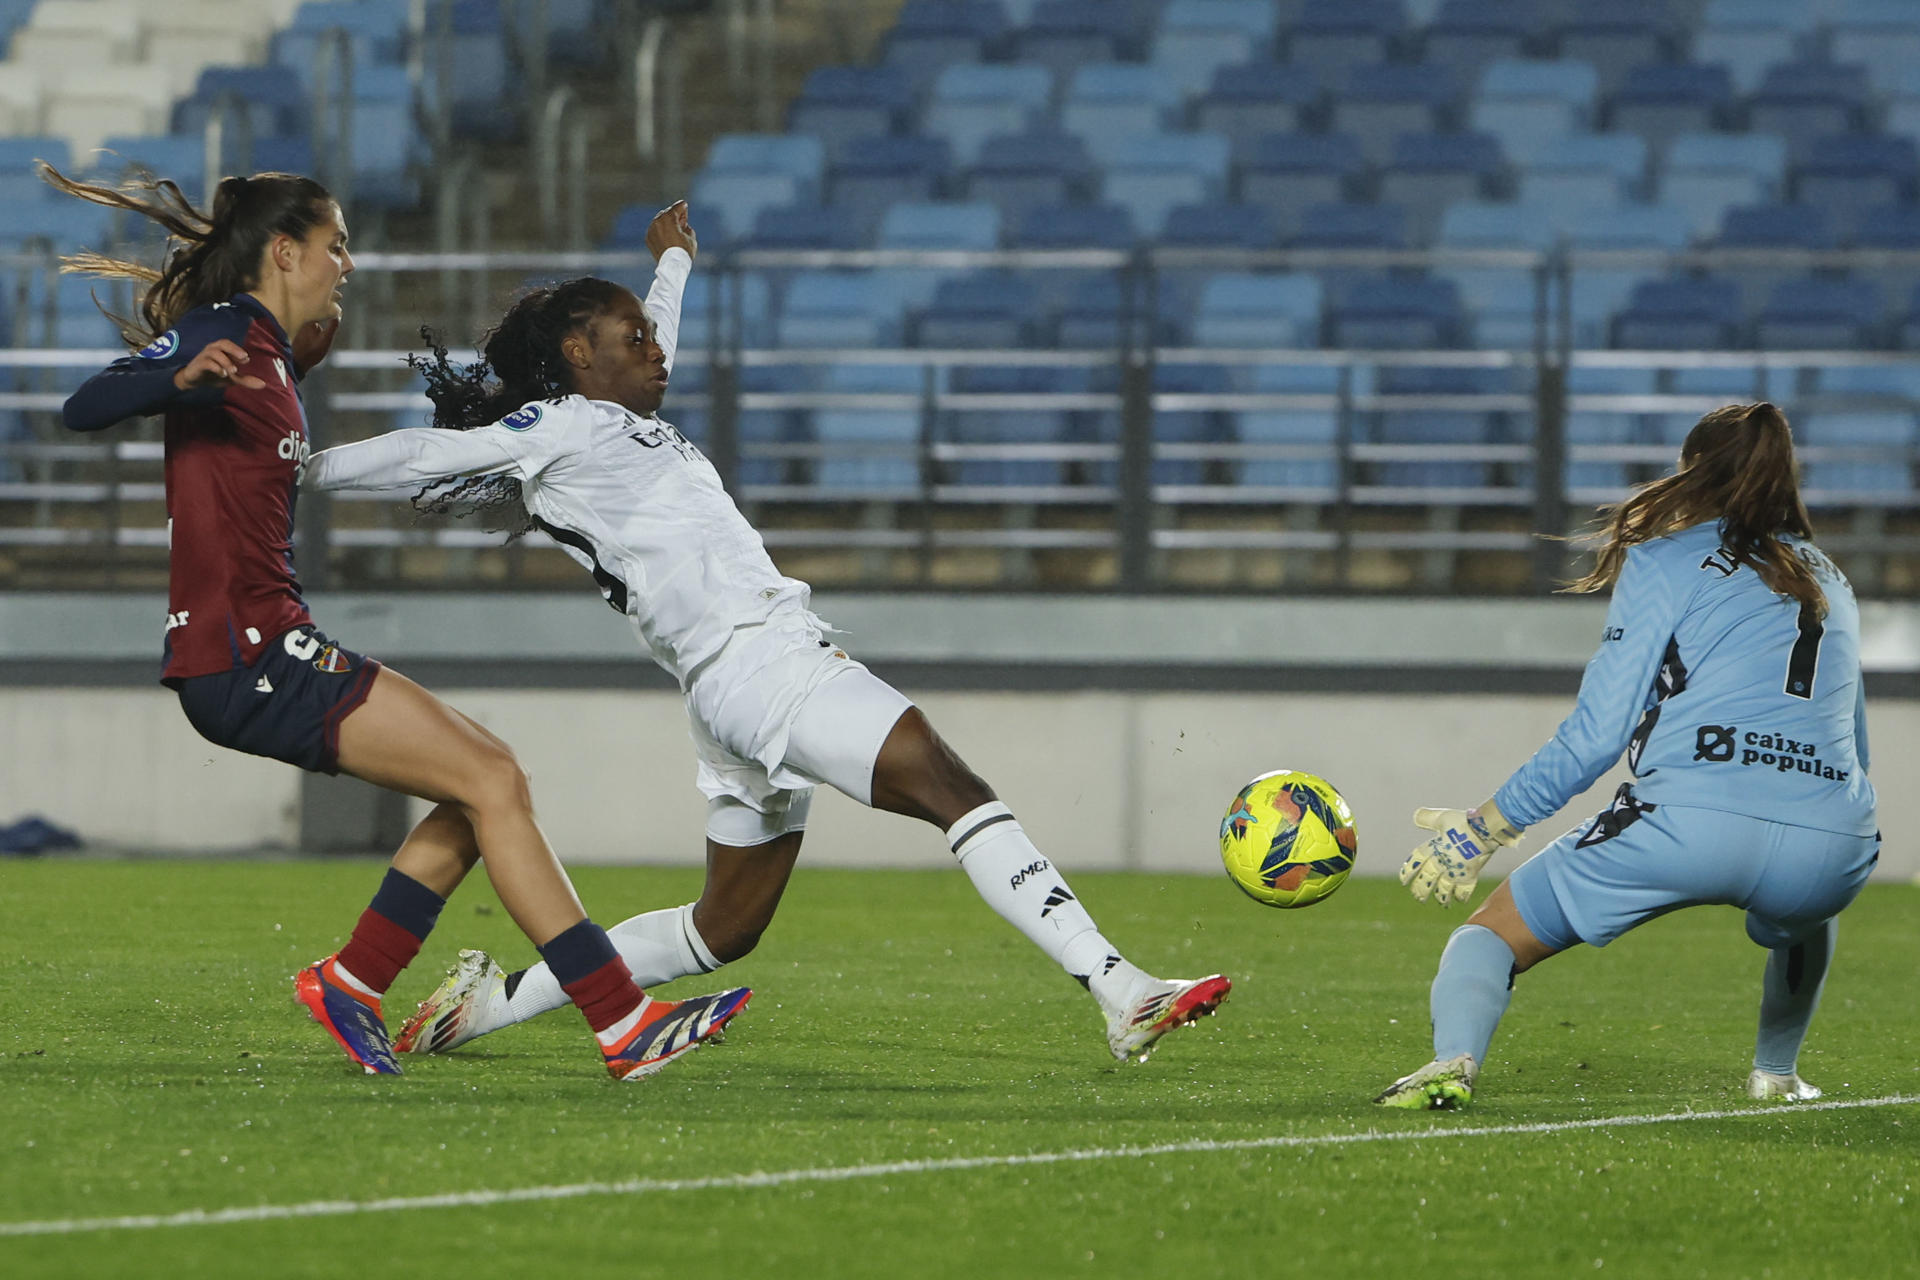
x=1288, y=839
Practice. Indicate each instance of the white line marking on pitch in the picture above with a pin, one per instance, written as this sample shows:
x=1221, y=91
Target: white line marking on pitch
x=846, y=1173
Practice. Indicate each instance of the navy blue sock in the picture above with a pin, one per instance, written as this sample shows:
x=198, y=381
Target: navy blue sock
x=408, y=903
x=589, y=969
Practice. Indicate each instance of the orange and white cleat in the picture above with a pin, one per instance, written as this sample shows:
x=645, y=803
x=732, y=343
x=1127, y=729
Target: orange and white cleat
x=1158, y=1007
x=351, y=1017
x=669, y=1028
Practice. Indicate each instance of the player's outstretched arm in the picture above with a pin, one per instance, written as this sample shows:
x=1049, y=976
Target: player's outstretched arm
x=164, y=375
x=408, y=458
x=1448, y=865
x=670, y=230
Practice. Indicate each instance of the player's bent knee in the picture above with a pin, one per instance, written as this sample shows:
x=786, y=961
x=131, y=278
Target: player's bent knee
x=497, y=781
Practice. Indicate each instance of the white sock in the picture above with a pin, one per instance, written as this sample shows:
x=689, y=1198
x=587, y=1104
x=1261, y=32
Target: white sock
x=658, y=947
x=1030, y=894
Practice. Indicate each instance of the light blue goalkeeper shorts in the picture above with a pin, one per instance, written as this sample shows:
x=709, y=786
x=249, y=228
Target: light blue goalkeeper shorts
x=1636, y=861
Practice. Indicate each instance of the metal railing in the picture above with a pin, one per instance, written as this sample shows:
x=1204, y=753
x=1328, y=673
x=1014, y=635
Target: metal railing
x=1112, y=495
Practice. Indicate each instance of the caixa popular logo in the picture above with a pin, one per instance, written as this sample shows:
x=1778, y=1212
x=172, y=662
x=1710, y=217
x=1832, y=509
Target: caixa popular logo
x=295, y=449
x=161, y=347
x=522, y=419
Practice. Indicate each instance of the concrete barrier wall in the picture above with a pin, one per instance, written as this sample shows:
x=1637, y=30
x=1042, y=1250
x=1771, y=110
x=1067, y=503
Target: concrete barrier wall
x=1102, y=779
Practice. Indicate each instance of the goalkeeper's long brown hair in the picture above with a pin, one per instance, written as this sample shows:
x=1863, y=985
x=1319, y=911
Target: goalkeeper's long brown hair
x=210, y=255
x=1737, y=467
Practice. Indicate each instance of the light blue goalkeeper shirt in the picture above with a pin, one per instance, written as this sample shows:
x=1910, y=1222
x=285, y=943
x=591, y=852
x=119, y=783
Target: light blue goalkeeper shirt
x=1723, y=695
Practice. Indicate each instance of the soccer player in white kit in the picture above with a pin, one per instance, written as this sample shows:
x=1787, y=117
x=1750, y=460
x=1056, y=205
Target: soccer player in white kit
x=557, y=426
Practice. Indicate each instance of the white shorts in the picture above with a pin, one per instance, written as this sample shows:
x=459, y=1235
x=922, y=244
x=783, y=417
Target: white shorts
x=780, y=710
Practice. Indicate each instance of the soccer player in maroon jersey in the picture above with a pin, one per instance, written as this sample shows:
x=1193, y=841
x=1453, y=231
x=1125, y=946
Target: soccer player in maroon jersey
x=247, y=302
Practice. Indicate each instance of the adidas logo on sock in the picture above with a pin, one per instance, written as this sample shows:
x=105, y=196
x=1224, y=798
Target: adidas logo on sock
x=1056, y=897
x=1111, y=963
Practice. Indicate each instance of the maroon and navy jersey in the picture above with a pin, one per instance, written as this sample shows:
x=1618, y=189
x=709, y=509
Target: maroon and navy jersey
x=232, y=454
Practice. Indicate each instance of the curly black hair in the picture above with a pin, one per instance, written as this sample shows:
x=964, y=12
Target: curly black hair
x=520, y=361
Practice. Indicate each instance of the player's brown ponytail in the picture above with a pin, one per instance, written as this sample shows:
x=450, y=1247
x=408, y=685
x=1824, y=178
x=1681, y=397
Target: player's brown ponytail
x=1736, y=466
x=210, y=256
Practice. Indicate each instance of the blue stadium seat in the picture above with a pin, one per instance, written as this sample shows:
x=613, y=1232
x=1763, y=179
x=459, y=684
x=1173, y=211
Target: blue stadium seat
x=1376, y=104
x=1872, y=382
x=1063, y=34
x=1854, y=171
x=1084, y=226
x=1186, y=426
x=1579, y=172
x=1094, y=314
x=1247, y=101
x=931, y=35
x=1772, y=226
x=1732, y=382
x=799, y=157
x=836, y=309
x=1802, y=101
x=1216, y=225
x=988, y=309
x=1249, y=310
x=804, y=226
x=1186, y=59
x=1429, y=172
x=1617, y=36
x=1288, y=173
x=1106, y=102
x=1026, y=171
x=271, y=101
x=839, y=104
x=485, y=90
x=1888, y=226
x=934, y=225
x=1150, y=174
x=375, y=34
x=974, y=102
x=1630, y=226
x=1035, y=424
x=728, y=203
x=1797, y=16
x=1887, y=473
x=181, y=157
x=1674, y=314
x=1389, y=312
x=1254, y=18
x=1500, y=301
x=1598, y=480
x=1881, y=35
x=706, y=296
x=1470, y=35
x=896, y=472
x=1431, y=427
x=1337, y=34
x=1820, y=314
x=874, y=173
x=1909, y=331
x=1661, y=102
x=1352, y=226
x=1706, y=174
x=1317, y=475
x=1530, y=105
x=1745, y=51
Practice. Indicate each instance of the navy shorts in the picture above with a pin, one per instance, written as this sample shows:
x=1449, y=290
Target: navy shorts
x=286, y=706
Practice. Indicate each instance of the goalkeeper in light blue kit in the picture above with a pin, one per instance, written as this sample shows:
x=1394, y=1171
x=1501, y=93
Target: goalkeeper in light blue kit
x=1729, y=672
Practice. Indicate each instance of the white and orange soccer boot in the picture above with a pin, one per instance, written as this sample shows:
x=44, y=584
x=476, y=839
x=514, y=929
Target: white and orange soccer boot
x=1158, y=1006
x=460, y=1008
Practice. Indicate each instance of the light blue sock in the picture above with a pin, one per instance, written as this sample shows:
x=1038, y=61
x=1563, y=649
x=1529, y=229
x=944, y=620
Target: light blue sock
x=1470, y=992
x=1789, y=994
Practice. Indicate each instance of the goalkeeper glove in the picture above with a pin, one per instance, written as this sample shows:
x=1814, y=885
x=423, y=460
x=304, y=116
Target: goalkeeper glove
x=1448, y=865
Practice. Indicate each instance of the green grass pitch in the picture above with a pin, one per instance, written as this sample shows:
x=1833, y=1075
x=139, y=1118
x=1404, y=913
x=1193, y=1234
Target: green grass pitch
x=152, y=1062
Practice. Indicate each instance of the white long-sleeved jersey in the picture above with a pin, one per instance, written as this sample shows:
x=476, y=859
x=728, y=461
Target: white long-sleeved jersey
x=629, y=498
